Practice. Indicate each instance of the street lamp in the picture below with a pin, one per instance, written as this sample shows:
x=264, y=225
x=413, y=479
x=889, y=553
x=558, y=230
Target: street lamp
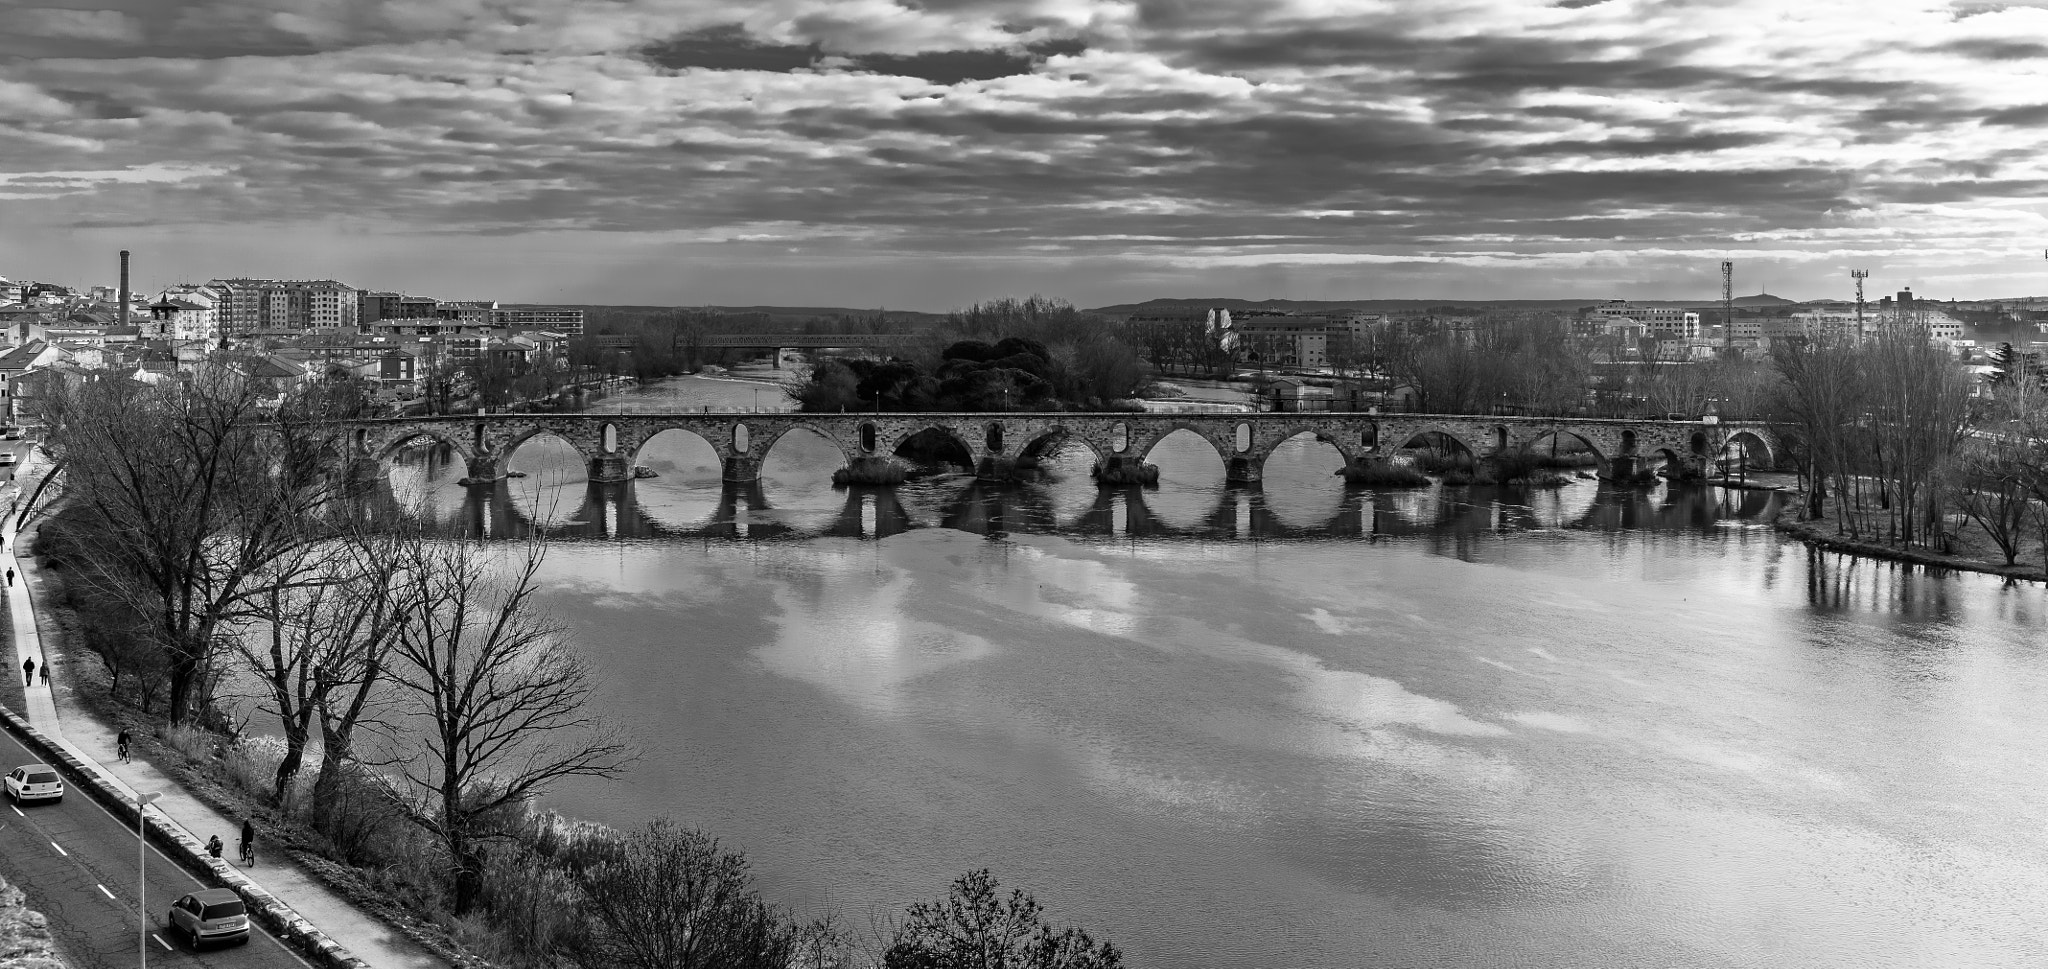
x=142, y=801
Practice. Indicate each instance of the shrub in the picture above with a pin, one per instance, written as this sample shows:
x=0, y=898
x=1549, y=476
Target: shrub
x=973, y=926
x=666, y=897
x=195, y=744
x=1382, y=473
x=1437, y=462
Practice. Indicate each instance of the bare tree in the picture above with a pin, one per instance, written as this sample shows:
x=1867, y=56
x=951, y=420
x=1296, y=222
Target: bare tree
x=185, y=494
x=495, y=699
x=326, y=622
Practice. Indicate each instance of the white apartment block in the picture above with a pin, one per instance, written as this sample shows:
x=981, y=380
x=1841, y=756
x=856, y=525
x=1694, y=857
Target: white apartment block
x=1659, y=321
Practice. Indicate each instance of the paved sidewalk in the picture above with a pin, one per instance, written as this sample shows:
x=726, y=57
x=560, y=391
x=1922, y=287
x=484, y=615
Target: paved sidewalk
x=90, y=740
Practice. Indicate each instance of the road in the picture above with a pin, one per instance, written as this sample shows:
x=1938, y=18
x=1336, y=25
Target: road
x=76, y=863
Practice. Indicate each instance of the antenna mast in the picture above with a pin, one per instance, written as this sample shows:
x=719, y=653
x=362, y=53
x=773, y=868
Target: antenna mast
x=1727, y=307
x=1859, y=275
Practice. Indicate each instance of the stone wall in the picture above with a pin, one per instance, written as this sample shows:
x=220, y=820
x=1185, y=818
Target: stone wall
x=25, y=941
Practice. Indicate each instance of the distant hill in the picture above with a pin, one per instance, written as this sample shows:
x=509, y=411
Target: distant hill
x=1178, y=304
x=1181, y=305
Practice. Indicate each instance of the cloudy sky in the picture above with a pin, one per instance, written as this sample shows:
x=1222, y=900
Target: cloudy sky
x=924, y=153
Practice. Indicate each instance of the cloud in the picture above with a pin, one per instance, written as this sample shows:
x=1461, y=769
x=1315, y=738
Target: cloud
x=108, y=25
x=1149, y=138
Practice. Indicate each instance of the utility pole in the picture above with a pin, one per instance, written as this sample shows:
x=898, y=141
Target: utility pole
x=1859, y=275
x=1727, y=308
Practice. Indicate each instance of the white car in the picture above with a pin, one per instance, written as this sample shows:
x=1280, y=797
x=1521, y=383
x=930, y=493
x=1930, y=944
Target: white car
x=35, y=782
x=213, y=915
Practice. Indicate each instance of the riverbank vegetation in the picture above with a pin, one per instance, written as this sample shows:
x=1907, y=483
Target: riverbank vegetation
x=1895, y=452
x=1034, y=354
x=251, y=614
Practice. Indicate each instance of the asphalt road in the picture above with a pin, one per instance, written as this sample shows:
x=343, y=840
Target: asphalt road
x=76, y=863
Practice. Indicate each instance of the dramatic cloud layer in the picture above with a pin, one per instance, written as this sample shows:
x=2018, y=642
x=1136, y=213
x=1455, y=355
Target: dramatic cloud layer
x=921, y=153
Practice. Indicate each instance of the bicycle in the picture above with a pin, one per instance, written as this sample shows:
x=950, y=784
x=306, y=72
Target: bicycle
x=122, y=749
x=249, y=854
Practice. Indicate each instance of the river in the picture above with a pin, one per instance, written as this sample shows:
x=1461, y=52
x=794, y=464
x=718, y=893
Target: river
x=1309, y=726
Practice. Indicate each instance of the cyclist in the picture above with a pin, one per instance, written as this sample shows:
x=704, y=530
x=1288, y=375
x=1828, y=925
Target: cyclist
x=121, y=743
x=248, y=842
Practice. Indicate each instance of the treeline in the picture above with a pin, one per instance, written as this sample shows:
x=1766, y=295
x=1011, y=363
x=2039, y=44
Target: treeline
x=668, y=341
x=1045, y=355
x=226, y=572
x=1895, y=447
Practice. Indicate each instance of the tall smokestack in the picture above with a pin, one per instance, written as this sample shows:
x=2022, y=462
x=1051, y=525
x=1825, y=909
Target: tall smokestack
x=124, y=287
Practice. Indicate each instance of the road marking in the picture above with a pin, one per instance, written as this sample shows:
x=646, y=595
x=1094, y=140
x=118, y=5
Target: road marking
x=60, y=849
x=103, y=891
x=160, y=941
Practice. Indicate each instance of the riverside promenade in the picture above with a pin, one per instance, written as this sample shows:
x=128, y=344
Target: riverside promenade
x=49, y=708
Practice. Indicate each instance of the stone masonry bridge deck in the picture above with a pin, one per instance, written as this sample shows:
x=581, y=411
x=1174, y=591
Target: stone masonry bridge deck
x=995, y=443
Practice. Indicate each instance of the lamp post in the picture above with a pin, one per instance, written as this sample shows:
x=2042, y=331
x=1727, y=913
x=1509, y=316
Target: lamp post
x=142, y=801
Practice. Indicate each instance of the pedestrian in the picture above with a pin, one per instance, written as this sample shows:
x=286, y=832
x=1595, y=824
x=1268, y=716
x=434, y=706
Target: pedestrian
x=28, y=671
x=44, y=673
x=121, y=744
x=10, y=576
x=213, y=846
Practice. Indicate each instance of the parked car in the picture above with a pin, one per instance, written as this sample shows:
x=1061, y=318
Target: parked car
x=6, y=458
x=213, y=915
x=35, y=782
x=10, y=432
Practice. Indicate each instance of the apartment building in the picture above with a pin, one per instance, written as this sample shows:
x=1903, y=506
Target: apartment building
x=284, y=304
x=1659, y=321
x=552, y=318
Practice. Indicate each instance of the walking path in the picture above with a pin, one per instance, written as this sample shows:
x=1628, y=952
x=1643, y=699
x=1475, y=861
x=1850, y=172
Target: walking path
x=90, y=740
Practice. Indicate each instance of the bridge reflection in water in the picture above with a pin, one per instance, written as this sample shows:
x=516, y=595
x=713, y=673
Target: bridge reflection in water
x=664, y=509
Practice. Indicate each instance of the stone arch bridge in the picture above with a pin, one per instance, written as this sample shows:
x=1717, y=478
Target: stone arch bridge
x=997, y=443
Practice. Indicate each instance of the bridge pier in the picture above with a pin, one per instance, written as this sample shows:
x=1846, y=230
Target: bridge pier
x=741, y=469
x=610, y=469
x=1116, y=471
x=484, y=471
x=1245, y=470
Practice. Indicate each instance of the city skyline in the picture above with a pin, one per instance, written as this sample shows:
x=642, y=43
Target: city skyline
x=804, y=152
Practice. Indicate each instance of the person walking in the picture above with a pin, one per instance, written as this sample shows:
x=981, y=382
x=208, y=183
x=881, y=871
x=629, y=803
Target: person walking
x=10, y=576
x=28, y=671
x=44, y=673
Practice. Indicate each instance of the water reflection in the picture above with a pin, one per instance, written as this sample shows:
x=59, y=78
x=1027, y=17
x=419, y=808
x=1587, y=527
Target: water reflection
x=571, y=507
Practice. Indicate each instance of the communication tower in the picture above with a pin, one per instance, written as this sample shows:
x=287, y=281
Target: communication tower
x=1859, y=275
x=1727, y=305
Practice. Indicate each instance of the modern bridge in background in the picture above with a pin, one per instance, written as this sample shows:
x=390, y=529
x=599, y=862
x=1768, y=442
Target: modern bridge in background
x=998, y=443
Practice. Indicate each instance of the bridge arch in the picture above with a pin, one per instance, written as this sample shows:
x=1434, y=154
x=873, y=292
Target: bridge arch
x=685, y=431
x=765, y=440
x=1145, y=446
x=1558, y=434
x=1039, y=444
x=1431, y=433
x=397, y=441
x=519, y=437
x=1335, y=439
x=939, y=437
x=1750, y=442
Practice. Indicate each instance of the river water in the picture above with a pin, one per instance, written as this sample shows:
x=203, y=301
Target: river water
x=1309, y=726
